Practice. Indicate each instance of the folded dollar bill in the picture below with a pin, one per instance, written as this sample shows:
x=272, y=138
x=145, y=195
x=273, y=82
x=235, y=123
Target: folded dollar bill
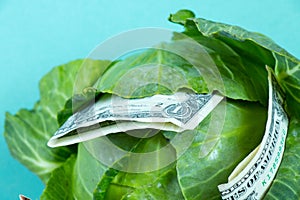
x=111, y=114
x=254, y=175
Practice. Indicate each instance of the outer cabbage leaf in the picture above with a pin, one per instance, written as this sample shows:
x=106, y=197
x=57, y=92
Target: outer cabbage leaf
x=199, y=173
x=86, y=174
x=59, y=185
x=76, y=178
x=27, y=134
x=153, y=71
x=28, y=131
x=163, y=185
x=288, y=72
x=158, y=184
x=252, y=47
x=222, y=31
x=222, y=68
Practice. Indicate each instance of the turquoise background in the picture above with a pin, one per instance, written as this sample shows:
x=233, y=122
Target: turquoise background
x=37, y=35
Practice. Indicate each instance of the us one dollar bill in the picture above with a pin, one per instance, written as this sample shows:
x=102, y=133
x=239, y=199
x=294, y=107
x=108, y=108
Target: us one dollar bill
x=253, y=176
x=111, y=114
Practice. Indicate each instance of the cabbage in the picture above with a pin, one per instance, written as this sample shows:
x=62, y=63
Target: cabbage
x=240, y=56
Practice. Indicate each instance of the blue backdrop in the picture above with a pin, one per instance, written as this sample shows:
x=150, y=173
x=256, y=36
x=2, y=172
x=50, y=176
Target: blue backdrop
x=37, y=35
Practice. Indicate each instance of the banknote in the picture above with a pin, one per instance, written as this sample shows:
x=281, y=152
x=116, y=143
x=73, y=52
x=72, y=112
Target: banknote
x=98, y=130
x=254, y=175
x=178, y=112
